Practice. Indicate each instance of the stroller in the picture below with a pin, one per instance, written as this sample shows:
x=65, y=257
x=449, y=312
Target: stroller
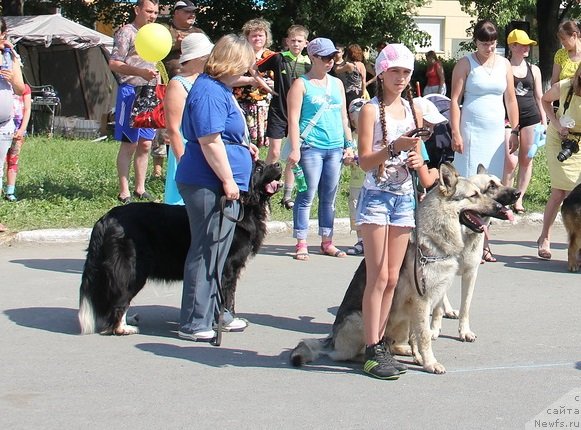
x=439, y=145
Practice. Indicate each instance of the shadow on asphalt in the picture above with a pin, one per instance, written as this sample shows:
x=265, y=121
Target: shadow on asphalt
x=154, y=320
x=63, y=265
x=301, y=324
x=277, y=250
x=160, y=321
x=212, y=356
x=54, y=320
x=530, y=261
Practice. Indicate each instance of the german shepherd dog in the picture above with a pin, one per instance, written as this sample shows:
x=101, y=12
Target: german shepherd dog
x=450, y=223
x=136, y=242
x=571, y=213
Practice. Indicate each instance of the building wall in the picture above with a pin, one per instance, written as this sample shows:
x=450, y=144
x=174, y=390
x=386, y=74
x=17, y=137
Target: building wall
x=447, y=24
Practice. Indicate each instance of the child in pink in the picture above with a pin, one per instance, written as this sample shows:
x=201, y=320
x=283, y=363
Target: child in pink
x=22, y=106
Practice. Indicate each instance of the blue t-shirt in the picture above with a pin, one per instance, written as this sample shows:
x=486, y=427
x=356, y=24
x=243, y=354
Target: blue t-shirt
x=211, y=108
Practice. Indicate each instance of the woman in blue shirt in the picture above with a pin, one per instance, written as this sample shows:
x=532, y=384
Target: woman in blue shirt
x=217, y=162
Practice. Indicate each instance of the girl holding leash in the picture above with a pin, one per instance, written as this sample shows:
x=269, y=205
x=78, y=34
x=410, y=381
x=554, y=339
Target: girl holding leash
x=385, y=212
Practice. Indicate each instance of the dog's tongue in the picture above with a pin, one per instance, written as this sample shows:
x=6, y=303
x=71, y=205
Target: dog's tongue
x=509, y=213
x=272, y=187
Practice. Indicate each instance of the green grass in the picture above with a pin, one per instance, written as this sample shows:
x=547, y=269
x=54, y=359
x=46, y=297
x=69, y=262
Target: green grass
x=71, y=183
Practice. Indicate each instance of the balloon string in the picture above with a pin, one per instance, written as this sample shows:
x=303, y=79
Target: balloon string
x=162, y=72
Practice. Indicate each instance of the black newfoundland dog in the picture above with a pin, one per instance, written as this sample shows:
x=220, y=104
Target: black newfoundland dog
x=139, y=241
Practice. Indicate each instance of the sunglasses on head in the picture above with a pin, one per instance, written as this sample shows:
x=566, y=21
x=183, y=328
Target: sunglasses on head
x=326, y=58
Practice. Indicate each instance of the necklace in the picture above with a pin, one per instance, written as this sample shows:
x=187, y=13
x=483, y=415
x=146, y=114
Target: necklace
x=487, y=68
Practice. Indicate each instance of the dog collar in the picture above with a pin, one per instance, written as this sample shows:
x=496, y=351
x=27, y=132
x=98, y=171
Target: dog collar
x=424, y=259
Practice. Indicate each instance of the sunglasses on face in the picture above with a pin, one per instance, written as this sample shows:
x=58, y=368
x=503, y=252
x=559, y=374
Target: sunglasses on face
x=326, y=58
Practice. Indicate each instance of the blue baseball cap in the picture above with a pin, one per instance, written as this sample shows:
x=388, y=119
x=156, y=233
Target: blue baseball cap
x=322, y=47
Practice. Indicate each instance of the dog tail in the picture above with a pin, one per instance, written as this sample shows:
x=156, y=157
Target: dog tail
x=309, y=350
x=106, y=277
x=86, y=314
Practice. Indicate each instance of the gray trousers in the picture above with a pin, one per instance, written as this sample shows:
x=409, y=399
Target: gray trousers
x=208, y=243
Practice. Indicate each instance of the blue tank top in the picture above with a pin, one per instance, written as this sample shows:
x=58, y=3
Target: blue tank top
x=328, y=131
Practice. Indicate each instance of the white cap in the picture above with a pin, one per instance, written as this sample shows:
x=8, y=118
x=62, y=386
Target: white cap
x=394, y=55
x=195, y=45
x=430, y=111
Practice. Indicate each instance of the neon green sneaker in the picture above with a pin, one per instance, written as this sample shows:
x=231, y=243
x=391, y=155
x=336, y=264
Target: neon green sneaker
x=378, y=363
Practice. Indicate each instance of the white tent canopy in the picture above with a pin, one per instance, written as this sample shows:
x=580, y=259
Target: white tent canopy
x=68, y=56
x=49, y=29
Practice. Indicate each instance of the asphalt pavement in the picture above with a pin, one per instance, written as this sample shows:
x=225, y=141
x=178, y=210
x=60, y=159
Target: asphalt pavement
x=525, y=366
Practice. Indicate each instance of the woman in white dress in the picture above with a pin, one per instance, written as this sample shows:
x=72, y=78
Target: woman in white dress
x=484, y=80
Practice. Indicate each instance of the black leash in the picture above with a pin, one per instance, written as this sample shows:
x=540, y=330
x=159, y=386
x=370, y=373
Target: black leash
x=217, y=340
x=417, y=132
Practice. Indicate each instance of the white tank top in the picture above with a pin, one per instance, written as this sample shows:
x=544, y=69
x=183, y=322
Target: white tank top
x=396, y=177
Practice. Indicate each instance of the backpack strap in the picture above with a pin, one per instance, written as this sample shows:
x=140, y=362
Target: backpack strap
x=313, y=122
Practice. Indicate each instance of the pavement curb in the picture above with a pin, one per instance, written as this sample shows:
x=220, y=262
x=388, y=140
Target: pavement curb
x=342, y=226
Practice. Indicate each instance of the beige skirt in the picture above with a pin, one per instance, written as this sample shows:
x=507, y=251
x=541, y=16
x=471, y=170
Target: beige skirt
x=564, y=175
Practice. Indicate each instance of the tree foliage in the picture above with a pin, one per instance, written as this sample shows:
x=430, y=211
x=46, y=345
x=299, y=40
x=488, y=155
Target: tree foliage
x=543, y=15
x=363, y=21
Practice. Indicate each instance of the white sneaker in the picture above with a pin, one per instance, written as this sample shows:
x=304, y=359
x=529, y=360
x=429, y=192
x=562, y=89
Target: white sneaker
x=200, y=336
x=236, y=325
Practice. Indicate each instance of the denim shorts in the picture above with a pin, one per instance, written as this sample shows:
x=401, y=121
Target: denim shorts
x=385, y=208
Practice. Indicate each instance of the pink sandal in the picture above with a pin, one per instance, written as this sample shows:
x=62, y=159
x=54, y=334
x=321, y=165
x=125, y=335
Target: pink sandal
x=328, y=248
x=301, y=251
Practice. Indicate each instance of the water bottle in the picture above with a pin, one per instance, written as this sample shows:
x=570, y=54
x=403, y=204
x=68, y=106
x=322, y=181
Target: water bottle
x=300, y=180
x=6, y=59
x=540, y=138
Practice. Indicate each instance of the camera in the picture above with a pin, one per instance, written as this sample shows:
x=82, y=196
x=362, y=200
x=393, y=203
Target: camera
x=568, y=148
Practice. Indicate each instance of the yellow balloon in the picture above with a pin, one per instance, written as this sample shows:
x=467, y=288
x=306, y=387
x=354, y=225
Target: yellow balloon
x=153, y=42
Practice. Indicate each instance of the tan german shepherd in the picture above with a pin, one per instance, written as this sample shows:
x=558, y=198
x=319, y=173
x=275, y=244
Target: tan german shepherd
x=451, y=220
x=571, y=213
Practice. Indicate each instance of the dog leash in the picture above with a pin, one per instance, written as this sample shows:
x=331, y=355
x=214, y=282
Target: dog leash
x=217, y=340
x=418, y=132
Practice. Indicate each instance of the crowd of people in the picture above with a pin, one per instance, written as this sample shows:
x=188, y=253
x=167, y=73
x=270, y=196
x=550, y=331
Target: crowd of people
x=316, y=113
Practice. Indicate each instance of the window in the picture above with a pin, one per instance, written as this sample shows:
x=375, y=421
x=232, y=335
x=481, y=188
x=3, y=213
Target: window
x=435, y=28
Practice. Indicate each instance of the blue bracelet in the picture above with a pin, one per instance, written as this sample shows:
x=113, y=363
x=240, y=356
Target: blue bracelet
x=348, y=144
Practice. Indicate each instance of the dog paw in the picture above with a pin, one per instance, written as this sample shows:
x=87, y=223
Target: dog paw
x=435, y=333
x=467, y=336
x=452, y=314
x=435, y=368
x=573, y=268
x=126, y=330
x=401, y=350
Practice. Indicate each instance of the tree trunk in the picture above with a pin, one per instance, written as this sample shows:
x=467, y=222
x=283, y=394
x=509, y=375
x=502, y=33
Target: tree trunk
x=548, y=22
x=12, y=7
